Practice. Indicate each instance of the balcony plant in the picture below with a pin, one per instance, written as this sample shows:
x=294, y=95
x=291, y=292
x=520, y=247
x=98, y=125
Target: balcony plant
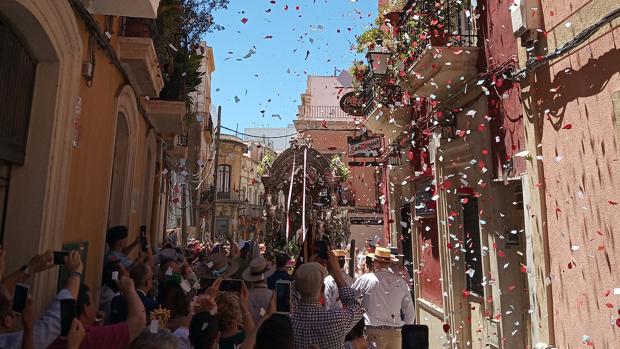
x=340, y=171
x=358, y=71
x=371, y=38
x=181, y=24
x=391, y=11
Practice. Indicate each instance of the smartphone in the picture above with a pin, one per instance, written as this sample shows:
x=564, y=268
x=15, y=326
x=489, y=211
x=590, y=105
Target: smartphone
x=231, y=285
x=20, y=297
x=322, y=250
x=283, y=296
x=143, y=242
x=68, y=312
x=59, y=257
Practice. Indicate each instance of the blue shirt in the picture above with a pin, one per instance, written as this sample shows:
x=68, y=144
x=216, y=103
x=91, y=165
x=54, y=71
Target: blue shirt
x=45, y=330
x=278, y=275
x=118, y=309
x=126, y=262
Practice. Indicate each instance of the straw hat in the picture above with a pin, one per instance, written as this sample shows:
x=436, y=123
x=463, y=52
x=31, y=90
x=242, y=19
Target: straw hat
x=383, y=254
x=218, y=265
x=341, y=254
x=258, y=270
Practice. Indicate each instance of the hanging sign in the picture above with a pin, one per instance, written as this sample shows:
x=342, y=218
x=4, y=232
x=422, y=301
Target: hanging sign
x=366, y=148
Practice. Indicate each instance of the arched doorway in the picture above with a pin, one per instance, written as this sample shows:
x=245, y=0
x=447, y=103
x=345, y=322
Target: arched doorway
x=17, y=77
x=118, y=214
x=33, y=190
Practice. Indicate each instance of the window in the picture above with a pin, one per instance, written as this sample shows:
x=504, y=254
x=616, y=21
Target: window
x=223, y=178
x=473, y=256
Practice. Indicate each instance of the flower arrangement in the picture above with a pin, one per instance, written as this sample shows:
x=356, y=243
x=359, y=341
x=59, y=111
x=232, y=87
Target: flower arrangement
x=370, y=38
x=392, y=6
x=339, y=169
x=264, y=166
x=358, y=71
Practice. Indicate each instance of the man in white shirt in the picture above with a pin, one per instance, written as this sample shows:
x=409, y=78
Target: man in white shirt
x=384, y=295
x=332, y=299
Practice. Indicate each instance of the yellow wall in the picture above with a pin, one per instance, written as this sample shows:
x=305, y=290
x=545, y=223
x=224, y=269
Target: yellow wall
x=91, y=165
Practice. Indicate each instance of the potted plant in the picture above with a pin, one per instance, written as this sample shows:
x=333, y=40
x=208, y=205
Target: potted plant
x=391, y=11
x=370, y=38
x=358, y=71
x=340, y=171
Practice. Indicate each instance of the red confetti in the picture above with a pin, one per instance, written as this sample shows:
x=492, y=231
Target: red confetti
x=567, y=127
x=523, y=269
x=501, y=253
x=485, y=152
x=446, y=328
x=609, y=305
x=331, y=148
x=244, y=20
x=614, y=203
x=618, y=322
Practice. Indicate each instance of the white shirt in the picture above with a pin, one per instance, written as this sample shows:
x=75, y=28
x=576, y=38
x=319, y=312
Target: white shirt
x=331, y=290
x=45, y=330
x=384, y=294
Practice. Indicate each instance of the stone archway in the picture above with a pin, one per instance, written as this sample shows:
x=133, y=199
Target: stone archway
x=35, y=211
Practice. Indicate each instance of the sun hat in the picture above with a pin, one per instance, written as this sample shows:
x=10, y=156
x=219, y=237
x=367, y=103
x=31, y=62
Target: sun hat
x=258, y=270
x=309, y=279
x=383, y=254
x=341, y=254
x=218, y=265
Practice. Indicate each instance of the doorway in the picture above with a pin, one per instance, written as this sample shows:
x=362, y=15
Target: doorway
x=118, y=212
x=17, y=78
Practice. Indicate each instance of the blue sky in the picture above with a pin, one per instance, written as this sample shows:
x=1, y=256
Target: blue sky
x=272, y=79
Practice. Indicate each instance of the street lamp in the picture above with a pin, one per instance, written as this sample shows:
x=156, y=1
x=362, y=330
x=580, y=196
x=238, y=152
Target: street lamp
x=378, y=62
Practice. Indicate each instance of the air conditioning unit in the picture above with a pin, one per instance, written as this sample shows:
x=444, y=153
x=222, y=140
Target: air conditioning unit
x=526, y=16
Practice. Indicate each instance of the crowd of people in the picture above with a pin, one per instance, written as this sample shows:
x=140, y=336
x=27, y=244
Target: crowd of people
x=207, y=295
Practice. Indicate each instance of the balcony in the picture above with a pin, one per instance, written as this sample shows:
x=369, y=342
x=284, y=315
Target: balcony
x=137, y=54
x=329, y=113
x=166, y=116
x=223, y=196
x=439, y=61
x=125, y=8
x=176, y=147
x=386, y=111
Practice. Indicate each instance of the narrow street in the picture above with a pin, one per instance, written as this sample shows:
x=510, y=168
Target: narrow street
x=325, y=174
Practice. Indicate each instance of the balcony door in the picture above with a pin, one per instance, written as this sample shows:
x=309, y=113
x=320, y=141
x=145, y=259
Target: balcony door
x=223, y=182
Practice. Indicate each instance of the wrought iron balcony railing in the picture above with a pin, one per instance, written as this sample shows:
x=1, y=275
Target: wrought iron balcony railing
x=327, y=112
x=423, y=24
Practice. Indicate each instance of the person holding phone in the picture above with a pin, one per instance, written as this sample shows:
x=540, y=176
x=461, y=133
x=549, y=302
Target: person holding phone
x=332, y=299
x=47, y=328
x=234, y=317
x=313, y=324
x=117, y=336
